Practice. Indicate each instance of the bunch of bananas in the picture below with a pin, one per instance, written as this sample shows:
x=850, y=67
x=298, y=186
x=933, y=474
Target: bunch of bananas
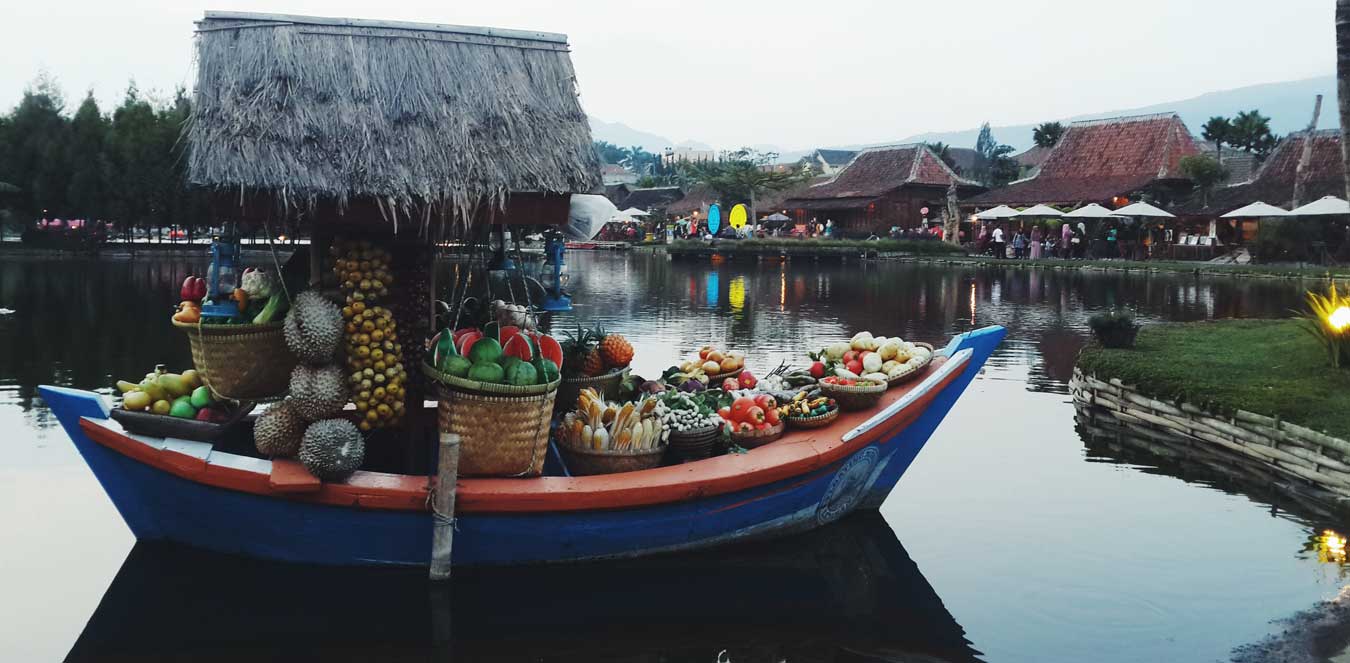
x=803, y=406
x=374, y=354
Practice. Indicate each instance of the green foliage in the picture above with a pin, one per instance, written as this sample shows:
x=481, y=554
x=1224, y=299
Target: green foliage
x=739, y=176
x=944, y=152
x=1328, y=320
x=1114, y=329
x=1288, y=239
x=1251, y=133
x=1204, y=171
x=1270, y=367
x=1218, y=130
x=994, y=165
x=1047, y=134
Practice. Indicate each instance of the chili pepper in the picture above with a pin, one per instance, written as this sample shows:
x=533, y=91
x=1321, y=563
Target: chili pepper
x=194, y=289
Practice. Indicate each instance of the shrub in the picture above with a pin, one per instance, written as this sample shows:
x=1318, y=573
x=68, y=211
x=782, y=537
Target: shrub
x=1114, y=329
x=1328, y=320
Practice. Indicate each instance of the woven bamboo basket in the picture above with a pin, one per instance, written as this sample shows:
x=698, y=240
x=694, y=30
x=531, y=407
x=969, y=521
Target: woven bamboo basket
x=582, y=462
x=758, y=438
x=855, y=397
x=716, y=380
x=910, y=375
x=813, y=422
x=695, y=444
x=241, y=362
x=608, y=385
x=500, y=435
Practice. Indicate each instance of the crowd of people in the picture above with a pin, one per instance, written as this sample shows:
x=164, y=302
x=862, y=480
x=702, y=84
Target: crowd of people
x=1070, y=241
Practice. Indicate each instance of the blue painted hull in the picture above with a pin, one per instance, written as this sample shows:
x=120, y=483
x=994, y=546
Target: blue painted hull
x=157, y=505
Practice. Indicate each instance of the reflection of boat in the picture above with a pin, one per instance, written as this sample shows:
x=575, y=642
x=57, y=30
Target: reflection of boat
x=848, y=591
x=194, y=493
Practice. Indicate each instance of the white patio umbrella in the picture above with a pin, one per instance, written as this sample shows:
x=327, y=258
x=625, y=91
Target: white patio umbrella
x=1000, y=212
x=633, y=211
x=1330, y=205
x=1092, y=211
x=1040, y=211
x=1256, y=210
x=1143, y=209
x=777, y=217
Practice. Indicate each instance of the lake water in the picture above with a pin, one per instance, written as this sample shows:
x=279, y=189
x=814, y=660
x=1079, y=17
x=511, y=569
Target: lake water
x=1010, y=538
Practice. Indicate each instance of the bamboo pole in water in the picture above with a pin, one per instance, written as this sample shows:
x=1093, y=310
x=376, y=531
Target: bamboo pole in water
x=443, y=506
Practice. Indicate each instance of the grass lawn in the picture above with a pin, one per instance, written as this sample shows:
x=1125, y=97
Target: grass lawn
x=1270, y=367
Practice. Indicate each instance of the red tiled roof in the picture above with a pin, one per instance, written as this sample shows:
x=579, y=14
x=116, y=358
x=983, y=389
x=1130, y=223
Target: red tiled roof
x=879, y=170
x=1033, y=157
x=1098, y=159
x=1273, y=182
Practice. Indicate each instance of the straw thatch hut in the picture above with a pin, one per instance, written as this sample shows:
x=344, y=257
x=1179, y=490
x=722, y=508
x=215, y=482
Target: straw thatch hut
x=387, y=121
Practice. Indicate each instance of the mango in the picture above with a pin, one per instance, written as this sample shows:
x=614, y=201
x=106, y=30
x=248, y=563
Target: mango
x=156, y=392
x=136, y=400
x=201, y=397
x=124, y=386
x=182, y=408
x=174, y=385
x=161, y=406
x=192, y=379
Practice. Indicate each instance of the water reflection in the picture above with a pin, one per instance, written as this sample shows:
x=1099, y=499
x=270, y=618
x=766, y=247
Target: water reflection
x=845, y=592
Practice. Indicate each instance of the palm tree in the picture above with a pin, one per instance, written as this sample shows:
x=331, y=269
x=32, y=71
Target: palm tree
x=1217, y=130
x=1343, y=80
x=1047, y=134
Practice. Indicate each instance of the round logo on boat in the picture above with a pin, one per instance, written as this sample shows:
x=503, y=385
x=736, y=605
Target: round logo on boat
x=846, y=488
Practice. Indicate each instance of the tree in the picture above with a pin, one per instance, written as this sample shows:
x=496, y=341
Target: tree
x=1217, y=130
x=1205, y=172
x=35, y=155
x=1343, y=83
x=87, y=191
x=1047, y=134
x=944, y=152
x=1251, y=134
x=994, y=165
x=741, y=176
x=609, y=152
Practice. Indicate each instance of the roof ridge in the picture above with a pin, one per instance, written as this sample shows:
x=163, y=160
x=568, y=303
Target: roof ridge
x=1122, y=119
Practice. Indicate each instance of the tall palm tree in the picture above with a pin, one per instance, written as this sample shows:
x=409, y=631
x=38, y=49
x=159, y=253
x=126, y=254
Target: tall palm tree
x=1343, y=80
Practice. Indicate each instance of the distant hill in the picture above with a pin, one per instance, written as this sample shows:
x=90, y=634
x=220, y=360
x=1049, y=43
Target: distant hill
x=625, y=136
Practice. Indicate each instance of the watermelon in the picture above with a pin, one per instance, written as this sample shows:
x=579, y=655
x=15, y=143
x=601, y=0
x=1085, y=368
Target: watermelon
x=550, y=349
x=492, y=330
x=459, y=333
x=466, y=341
x=505, y=334
x=518, y=346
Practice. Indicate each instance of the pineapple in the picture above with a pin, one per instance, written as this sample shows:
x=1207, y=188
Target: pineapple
x=593, y=364
x=616, y=351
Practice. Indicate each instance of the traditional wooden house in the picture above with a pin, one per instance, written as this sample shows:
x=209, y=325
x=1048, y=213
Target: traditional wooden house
x=1273, y=181
x=827, y=162
x=411, y=125
x=880, y=188
x=1110, y=162
x=656, y=200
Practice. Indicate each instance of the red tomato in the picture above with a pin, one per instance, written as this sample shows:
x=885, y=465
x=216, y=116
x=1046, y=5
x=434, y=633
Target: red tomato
x=755, y=415
x=740, y=406
x=745, y=427
x=854, y=367
x=725, y=413
x=765, y=401
x=818, y=370
x=762, y=427
x=850, y=356
x=771, y=417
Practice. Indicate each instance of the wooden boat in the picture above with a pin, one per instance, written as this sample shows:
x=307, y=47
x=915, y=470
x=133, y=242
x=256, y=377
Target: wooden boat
x=845, y=592
x=197, y=494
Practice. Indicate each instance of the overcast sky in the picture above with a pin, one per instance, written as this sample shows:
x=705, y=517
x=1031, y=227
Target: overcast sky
x=794, y=74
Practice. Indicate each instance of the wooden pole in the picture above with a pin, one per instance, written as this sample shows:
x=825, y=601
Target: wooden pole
x=1343, y=80
x=443, y=506
x=1301, y=173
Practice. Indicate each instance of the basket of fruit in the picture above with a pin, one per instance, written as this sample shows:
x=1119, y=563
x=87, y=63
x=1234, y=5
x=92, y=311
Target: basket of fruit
x=498, y=397
x=694, y=427
x=171, y=405
x=908, y=363
x=244, y=357
x=879, y=359
x=593, y=359
x=807, y=412
x=601, y=437
x=851, y=394
x=753, y=420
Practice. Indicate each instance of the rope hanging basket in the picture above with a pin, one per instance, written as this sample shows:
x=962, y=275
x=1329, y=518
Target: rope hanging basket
x=241, y=362
x=503, y=429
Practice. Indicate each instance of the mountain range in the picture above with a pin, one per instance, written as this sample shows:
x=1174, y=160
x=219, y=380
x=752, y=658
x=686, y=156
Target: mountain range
x=1288, y=104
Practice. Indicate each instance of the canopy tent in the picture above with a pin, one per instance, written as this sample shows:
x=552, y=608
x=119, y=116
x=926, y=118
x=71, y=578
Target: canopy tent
x=1143, y=209
x=1091, y=211
x=1039, y=211
x=634, y=212
x=1328, y=206
x=777, y=216
x=995, y=213
x=1257, y=209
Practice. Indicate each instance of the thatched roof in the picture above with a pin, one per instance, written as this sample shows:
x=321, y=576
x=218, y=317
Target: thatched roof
x=427, y=121
x=1273, y=181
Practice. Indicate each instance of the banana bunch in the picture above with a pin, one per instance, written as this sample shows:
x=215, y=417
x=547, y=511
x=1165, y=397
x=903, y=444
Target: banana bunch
x=803, y=406
x=603, y=426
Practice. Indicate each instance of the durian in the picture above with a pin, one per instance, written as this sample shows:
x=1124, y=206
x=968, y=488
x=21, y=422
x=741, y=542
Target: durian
x=313, y=328
x=317, y=393
x=332, y=449
x=278, y=431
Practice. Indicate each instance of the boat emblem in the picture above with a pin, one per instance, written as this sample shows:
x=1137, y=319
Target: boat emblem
x=847, y=486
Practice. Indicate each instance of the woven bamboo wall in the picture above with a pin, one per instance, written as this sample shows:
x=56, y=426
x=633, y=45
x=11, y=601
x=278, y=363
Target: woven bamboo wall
x=1289, y=449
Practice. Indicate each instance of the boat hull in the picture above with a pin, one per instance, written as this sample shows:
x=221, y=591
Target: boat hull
x=160, y=505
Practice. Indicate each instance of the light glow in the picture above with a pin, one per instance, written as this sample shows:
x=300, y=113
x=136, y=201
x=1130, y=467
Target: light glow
x=1339, y=319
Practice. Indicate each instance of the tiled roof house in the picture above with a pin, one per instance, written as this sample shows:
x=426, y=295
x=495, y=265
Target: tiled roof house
x=1273, y=181
x=881, y=187
x=1098, y=160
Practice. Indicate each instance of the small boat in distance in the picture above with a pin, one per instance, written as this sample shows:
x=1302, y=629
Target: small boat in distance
x=201, y=495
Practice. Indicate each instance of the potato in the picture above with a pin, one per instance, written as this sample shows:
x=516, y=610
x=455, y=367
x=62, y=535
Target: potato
x=861, y=341
x=887, y=366
x=872, y=362
x=715, y=356
x=889, y=349
x=728, y=365
x=836, y=351
x=712, y=367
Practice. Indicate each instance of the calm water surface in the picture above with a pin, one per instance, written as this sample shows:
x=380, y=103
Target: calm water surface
x=1009, y=539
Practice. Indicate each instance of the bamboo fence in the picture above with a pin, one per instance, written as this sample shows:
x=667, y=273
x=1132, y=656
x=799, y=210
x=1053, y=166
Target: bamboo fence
x=1288, y=450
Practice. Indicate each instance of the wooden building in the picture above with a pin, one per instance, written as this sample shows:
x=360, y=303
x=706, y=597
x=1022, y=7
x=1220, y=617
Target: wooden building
x=881, y=187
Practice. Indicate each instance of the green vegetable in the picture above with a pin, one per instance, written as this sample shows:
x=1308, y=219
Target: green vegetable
x=276, y=307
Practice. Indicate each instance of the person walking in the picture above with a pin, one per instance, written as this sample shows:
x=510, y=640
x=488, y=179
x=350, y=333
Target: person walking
x=1037, y=240
x=1000, y=249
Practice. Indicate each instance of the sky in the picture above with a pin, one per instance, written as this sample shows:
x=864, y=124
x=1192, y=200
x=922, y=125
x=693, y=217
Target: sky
x=788, y=73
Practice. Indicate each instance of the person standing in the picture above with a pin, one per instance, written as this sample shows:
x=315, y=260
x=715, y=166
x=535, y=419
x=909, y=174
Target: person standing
x=1065, y=241
x=1037, y=239
x=1000, y=249
x=1019, y=244
x=982, y=240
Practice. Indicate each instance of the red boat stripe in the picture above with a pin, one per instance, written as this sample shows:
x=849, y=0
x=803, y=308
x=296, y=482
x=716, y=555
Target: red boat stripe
x=796, y=454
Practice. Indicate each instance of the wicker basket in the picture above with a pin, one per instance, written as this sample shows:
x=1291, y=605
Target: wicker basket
x=910, y=375
x=608, y=385
x=241, y=362
x=581, y=462
x=716, y=380
x=488, y=388
x=502, y=434
x=820, y=421
x=695, y=444
x=854, y=397
x=758, y=438
x=163, y=425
